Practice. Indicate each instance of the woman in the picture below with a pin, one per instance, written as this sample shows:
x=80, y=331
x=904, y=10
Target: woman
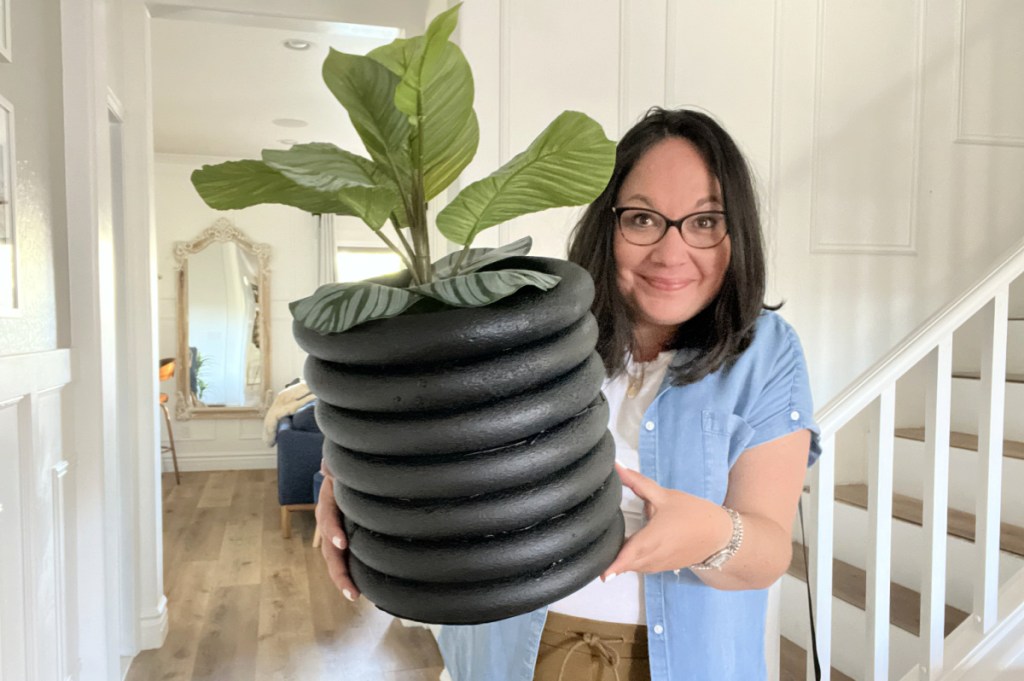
x=712, y=418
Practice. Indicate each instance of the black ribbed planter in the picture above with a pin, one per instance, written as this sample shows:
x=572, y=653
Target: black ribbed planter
x=470, y=451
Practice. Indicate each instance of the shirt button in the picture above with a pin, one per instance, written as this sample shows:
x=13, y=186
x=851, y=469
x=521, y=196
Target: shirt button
x=658, y=629
x=794, y=415
x=649, y=425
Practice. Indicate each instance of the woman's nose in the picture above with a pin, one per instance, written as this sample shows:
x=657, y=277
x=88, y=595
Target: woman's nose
x=672, y=249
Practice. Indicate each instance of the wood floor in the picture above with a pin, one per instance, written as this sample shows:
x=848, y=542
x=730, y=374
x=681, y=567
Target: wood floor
x=246, y=605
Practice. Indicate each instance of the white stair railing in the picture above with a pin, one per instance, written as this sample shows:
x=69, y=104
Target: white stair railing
x=931, y=342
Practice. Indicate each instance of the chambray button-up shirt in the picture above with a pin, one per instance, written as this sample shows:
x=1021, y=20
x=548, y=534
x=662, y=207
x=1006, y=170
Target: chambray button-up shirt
x=691, y=437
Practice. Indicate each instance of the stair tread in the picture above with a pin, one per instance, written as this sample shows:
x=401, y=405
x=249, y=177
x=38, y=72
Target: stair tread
x=975, y=375
x=849, y=584
x=1011, y=448
x=960, y=523
x=793, y=663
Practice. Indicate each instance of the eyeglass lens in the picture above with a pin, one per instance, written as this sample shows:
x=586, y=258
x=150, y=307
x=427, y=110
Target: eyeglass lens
x=643, y=227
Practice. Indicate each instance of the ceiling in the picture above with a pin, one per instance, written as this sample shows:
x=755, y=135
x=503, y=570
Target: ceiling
x=220, y=81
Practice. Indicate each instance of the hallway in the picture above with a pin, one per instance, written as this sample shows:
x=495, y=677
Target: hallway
x=247, y=605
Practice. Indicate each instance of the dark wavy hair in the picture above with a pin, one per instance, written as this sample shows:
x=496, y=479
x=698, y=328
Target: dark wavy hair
x=719, y=333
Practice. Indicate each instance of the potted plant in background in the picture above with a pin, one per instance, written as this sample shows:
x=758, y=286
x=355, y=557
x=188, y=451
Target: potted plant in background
x=460, y=398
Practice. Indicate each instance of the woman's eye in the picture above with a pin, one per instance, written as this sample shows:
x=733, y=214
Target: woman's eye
x=705, y=221
x=641, y=220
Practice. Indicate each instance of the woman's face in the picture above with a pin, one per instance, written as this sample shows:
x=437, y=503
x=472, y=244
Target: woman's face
x=669, y=282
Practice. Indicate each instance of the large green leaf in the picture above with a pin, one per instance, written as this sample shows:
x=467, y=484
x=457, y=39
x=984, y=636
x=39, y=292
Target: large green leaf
x=240, y=184
x=366, y=88
x=428, y=54
x=567, y=165
x=477, y=258
x=436, y=93
x=358, y=182
x=398, y=54
x=334, y=308
x=478, y=289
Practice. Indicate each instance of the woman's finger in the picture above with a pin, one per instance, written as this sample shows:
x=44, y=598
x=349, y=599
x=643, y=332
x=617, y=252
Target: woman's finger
x=642, y=486
x=627, y=560
x=335, y=545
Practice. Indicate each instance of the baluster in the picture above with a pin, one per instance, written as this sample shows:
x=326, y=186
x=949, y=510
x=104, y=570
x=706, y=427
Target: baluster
x=823, y=494
x=880, y=541
x=935, y=497
x=990, y=459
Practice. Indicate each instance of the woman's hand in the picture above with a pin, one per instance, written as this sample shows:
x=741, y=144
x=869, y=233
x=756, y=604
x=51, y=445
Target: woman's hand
x=681, y=529
x=335, y=546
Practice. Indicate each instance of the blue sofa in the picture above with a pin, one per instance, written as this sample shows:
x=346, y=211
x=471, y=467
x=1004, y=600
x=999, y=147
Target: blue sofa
x=299, y=451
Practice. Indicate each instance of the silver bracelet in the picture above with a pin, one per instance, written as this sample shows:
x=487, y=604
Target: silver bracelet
x=719, y=558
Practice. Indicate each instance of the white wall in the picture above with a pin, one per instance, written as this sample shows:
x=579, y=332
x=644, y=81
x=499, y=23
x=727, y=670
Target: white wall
x=32, y=84
x=35, y=559
x=887, y=137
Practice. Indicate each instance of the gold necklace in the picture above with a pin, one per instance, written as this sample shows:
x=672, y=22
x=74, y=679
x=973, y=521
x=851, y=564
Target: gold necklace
x=636, y=381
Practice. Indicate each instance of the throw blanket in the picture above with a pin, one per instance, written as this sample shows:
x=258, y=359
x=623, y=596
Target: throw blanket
x=288, y=401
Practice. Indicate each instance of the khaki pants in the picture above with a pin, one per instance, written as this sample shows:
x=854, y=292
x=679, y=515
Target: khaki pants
x=577, y=649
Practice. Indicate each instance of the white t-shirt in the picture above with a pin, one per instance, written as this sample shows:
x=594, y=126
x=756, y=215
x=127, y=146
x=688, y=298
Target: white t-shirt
x=622, y=599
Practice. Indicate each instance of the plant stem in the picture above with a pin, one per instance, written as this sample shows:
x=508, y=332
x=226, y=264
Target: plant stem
x=420, y=235
x=419, y=226
x=405, y=243
x=410, y=214
x=393, y=247
x=462, y=257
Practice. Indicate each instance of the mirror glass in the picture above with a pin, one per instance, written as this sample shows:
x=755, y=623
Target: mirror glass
x=223, y=329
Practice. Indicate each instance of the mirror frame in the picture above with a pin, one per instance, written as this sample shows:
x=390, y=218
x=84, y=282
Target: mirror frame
x=221, y=231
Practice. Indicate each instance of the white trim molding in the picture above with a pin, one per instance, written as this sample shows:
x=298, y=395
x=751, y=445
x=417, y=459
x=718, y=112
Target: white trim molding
x=153, y=626
x=908, y=246
x=960, y=135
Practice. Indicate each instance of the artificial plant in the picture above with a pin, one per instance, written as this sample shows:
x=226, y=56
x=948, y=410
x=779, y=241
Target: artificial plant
x=411, y=102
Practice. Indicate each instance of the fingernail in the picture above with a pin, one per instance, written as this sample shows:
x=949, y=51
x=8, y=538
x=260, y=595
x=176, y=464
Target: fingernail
x=348, y=594
x=337, y=544
x=610, y=577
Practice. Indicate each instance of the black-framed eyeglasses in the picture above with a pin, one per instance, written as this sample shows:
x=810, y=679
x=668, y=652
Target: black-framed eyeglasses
x=646, y=227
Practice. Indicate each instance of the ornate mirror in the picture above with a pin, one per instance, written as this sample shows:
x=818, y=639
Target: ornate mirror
x=223, y=367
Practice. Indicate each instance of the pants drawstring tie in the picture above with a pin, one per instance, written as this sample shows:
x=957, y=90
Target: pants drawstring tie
x=598, y=646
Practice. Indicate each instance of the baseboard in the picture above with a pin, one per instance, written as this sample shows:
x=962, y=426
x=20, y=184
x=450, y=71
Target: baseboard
x=222, y=462
x=153, y=628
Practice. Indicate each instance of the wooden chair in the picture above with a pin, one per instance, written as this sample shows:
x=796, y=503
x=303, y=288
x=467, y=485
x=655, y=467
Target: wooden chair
x=166, y=373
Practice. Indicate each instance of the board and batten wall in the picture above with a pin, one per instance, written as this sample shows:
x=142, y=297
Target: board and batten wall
x=887, y=138
x=37, y=467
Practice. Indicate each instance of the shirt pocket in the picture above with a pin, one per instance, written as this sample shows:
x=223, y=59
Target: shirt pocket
x=725, y=436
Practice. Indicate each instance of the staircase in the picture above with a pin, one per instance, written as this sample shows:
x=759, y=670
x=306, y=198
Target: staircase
x=916, y=572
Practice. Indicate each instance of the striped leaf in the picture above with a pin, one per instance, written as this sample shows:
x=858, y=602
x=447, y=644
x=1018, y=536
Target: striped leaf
x=436, y=92
x=358, y=182
x=334, y=308
x=478, y=258
x=567, y=165
x=483, y=288
x=366, y=88
x=240, y=184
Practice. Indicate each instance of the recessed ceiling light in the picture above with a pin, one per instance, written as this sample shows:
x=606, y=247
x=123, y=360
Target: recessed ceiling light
x=297, y=44
x=288, y=143
x=289, y=122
